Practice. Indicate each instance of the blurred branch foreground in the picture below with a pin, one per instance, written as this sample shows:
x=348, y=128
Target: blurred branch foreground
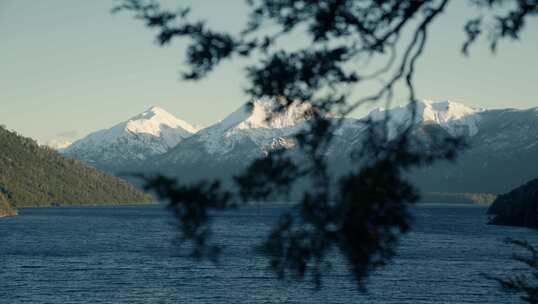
x=361, y=213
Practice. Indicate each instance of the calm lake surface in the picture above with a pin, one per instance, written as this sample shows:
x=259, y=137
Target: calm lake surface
x=126, y=254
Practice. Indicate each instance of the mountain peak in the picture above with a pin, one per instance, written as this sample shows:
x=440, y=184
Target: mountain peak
x=155, y=108
x=448, y=109
x=256, y=115
x=154, y=119
x=251, y=121
x=149, y=133
x=156, y=111
x=450, y=115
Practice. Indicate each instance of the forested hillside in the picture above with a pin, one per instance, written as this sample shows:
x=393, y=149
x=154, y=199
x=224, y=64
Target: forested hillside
x=32, y=175
x=5, y=208
x=519, y=207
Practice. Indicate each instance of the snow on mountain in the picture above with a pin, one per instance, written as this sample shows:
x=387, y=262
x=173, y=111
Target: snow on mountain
x=502, y=144
x=59, y=144
x=249, y=128
x=156, y=121
x=232, y=143
x=454, y=117
x=250, y=122
x=150, y=133
x=508, y=131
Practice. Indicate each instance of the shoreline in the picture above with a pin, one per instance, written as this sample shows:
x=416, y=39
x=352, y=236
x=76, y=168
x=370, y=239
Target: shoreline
x=88, y=205
x=15, y=211
x=11, y=214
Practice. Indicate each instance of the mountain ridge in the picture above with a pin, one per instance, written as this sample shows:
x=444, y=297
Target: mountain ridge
x=497, y=138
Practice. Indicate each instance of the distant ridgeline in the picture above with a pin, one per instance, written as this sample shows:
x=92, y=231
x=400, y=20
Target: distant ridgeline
x=503, y=143
x=32, y=175
x=519, y=207
x=461, y=198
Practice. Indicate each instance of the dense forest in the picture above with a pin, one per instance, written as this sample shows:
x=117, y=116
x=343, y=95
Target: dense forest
x=519, y=207
x=33, y=175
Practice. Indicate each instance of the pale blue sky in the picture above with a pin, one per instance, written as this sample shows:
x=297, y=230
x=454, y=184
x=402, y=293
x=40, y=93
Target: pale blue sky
x=71, y=66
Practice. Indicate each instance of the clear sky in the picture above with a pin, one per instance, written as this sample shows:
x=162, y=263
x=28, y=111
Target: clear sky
x=69, y=67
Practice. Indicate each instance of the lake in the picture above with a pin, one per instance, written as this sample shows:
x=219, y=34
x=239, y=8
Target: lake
x=127, y=254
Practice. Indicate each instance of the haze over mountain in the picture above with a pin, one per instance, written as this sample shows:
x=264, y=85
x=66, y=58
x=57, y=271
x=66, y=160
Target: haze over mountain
x=59, y=144
x=503, y=143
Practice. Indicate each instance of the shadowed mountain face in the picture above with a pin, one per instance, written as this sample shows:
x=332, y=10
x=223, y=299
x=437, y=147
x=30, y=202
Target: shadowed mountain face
x=502, y=155
x=503, y=145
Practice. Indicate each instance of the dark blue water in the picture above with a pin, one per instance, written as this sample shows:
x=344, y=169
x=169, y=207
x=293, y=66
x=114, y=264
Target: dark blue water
x=127, y=255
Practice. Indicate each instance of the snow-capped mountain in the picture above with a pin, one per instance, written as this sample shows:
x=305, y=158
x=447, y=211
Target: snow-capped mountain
x=150, y=133
x=247, y=133
x=251, y=122
x=496, y=138
x=244, y=135
x=503, y=154
x=454, y=117
x=503, y=143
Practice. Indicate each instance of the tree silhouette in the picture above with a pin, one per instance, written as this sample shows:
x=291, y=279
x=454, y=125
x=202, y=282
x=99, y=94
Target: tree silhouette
x=524, y=284
x=519, y=207
x=366, y=212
